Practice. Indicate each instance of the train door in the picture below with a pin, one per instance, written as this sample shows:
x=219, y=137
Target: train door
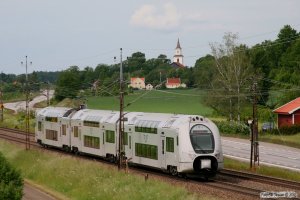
x=103, y=142
x=76, y=137
x=128, y=144
x=162, y=152
x=64, y=133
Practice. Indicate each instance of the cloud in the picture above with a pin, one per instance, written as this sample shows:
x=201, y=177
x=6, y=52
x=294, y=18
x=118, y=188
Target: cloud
x=149, y=16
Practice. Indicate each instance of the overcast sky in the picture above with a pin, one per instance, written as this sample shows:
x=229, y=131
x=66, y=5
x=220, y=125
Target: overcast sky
x=56, y=34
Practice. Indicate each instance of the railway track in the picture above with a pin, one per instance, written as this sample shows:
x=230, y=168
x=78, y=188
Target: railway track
x=19, y=137
x=262, y=179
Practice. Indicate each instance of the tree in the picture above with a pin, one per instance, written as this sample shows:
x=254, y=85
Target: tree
x=11, y=182
x=204, y=71
x=135, y=62
x=68, y=84
x=232, y=72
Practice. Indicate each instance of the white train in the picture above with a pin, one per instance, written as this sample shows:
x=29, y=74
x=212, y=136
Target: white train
x=174, y=143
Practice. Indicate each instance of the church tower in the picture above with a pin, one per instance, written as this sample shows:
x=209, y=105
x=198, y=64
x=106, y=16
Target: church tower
x=178, y=57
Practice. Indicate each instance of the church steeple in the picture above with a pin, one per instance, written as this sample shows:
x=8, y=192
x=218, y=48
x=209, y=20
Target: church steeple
x=178, y=44
x=178, y=57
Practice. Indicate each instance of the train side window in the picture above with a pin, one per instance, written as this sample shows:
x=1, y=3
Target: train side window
x=125, y=138
x=103, y=138
x=177, y=140
x=64, y=129
x=146, y=151
x=39, y=126
x=110, y=136
x=169, y=144
x=75, y=131
x=129, y=142
x=163, y=147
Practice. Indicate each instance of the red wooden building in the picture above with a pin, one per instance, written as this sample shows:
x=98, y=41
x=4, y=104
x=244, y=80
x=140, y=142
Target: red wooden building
x=288, y=114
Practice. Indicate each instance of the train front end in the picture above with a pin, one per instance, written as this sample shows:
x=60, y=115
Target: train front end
x=201, y=151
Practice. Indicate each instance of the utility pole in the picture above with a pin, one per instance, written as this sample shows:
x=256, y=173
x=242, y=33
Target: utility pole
x=254, y=156
x=48, y=97
x=121, y=118
x=255, y=126
x=27, y=107
x=1, y=100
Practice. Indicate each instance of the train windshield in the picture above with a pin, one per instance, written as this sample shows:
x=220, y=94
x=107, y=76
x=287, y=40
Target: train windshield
x=202, y=139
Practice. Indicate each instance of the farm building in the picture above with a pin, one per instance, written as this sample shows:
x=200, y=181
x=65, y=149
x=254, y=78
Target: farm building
x=137, y=82
x=288, y=114
x=149, y=86
x=174, y=83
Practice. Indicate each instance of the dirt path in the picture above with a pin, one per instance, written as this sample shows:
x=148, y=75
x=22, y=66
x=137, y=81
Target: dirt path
x=33, y=193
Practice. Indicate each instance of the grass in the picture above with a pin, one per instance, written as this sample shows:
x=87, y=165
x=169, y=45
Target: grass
x=166, y=101
x=78, y=179
x=288, y=140
x=262, y=170
x=17, y=121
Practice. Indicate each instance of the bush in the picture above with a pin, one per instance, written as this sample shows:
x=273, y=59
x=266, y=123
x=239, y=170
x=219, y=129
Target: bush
x=233, y=127
x=11, y=183
x=286, y=130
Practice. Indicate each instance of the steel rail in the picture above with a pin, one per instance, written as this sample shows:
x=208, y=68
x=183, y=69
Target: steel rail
x=262, y=179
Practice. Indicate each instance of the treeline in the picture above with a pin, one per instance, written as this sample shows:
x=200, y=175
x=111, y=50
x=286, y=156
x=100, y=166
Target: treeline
x=36, y=81
x=228, y=74
x=104, y=79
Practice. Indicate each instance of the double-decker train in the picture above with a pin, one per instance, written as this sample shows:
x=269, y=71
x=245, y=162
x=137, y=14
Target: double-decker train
x=176, y=143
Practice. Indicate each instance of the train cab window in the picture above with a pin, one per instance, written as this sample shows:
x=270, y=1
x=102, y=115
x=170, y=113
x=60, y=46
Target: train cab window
x=39, y=126
x=64, y=129
x=202, y=139
x=75, y=131
x=169, y=144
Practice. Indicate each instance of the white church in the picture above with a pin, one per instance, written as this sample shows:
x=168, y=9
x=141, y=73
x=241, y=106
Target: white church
x=178, y=56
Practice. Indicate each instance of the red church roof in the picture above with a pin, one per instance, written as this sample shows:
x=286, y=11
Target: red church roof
x=173, y=81
x=289, y=107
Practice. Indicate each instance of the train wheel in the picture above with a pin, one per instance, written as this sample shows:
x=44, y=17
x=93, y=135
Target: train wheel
x=173, y=170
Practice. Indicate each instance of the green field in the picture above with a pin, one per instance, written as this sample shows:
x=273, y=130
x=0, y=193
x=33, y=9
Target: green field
x=163, y=101
x=81, y=179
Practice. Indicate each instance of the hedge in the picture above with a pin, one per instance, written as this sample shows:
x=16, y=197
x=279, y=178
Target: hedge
x=232, y=127
x=286, y=130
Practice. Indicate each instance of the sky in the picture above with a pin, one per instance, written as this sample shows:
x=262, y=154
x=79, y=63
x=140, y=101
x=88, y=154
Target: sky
x=56, y=34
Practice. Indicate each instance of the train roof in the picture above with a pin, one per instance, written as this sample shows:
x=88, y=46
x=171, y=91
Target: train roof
x=96, y=115
x=54, y=111
x=140, y=119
